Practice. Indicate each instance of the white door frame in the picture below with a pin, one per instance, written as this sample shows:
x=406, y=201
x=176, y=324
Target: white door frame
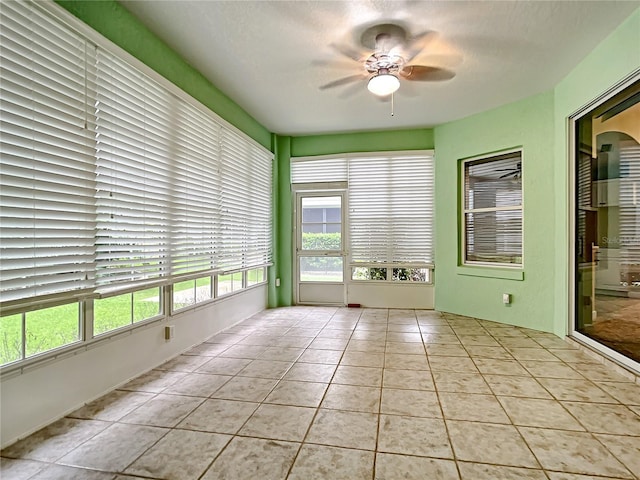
x=319, y=190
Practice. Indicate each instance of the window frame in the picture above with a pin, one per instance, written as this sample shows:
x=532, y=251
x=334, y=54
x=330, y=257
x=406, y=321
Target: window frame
x=463, y=210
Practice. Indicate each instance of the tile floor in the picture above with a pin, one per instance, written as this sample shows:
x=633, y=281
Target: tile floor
x=308, y=393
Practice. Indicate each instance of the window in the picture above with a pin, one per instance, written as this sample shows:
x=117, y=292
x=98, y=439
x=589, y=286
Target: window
x=115, y=186
x=229, y=283
x=390, y=216
x=492, y=221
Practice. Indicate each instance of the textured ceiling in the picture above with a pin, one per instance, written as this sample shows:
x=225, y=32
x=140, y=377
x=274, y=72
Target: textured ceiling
x=271, y=57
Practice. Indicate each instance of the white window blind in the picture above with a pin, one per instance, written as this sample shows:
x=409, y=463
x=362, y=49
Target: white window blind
x=391, y=209
x=134, y=137
x=390, y=198
x=111, y=177
x=493, y=209
x=310, y=170
x=629, y=241
x=47, y=156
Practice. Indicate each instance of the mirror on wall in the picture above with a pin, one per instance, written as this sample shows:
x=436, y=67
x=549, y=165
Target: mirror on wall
x=607, y=229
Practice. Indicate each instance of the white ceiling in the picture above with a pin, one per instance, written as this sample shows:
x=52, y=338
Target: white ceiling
x=271, y=57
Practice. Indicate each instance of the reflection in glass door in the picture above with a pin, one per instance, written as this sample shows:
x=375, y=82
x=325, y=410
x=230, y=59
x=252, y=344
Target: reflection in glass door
x=608, y=223
x=320, y=248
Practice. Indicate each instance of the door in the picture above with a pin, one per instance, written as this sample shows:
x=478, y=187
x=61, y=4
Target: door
x=320, y=252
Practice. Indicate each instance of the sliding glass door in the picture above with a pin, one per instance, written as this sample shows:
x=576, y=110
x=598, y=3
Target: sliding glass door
x=607, y=227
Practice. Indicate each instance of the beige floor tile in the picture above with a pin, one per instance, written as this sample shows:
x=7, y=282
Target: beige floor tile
x=472, y=407
x=329, y=343
x=113, y=406
x=516, y=386
x=353, y=398
x=575, y=476
x=404, y=467
x=581, y=390
x=406, y=348
x=626, y=449
x=408, y=379
x=246, y=388
x=492, y=366
x=555, y=342
x=369, y=335
x=363, y=359
x=538, y=412
x=61, y=472
x=280, y=422
x=517, y=342
x=184, y=363
x=173, y=456
x=300, y=394
x=412, y=403
x=55, y=440
x=310, y=372
x=154, y=381
x=208, y=349
x=115, y=448
x=249, y=458
x=573, y=356
x=440, y=339
x=260, y=340
x=295, y=342
x=226, y=338
x=250, y=352
x=599, y=372
x=468, y=339
x=477, y=471
x=452, y=364
x=224, y=366
x=366, y=346
x=480, y=351
x=163, y=410
x=273, y=369
x=344, y=429
x=401, y=361
x=20, y=469
x=490, y=443
x=573, y=452
x=605, y=418
x=283, y=354
x=447, y=350
x=341, y=333
x=410, y=337
x=539, y=354
x=363, y=376
x=197, y=384
x=550, y=370
x=442, y=328
x=219, y=416
x=413, y=436
x=460, y=382
x=316, y=462
x=331, y=357
x=625, y=392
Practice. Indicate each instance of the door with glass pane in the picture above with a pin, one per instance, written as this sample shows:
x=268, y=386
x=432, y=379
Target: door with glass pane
x=607, y=228
x=320, y=249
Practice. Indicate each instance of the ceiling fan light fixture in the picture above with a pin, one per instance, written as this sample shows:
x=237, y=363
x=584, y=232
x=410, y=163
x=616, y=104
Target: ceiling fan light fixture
x=383, y=84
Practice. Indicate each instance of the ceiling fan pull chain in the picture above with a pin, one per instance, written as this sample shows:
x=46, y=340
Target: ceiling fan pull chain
x=392, y=104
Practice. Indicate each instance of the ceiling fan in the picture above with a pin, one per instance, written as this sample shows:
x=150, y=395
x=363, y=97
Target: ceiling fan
x=514, y=173
x=387, y=60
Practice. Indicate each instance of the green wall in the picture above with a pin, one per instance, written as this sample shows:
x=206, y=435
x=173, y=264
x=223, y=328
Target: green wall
x=609, y=63
x=388, y=140
x=114, y=22
x=477, y=291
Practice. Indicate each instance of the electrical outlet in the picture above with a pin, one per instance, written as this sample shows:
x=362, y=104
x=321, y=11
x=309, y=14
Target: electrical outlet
x=169, y=332
x=277, y=282
x=506, y=298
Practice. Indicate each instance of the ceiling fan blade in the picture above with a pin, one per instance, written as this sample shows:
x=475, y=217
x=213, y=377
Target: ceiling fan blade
x=418, y=43
x=349, y=52
x=422, y=73
x=342, y=81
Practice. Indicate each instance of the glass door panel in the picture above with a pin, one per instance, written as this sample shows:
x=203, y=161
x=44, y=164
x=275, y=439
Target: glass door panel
x=607, y=229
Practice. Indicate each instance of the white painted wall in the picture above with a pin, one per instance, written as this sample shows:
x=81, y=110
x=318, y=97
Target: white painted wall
x=47, y=391
x=389, y=295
